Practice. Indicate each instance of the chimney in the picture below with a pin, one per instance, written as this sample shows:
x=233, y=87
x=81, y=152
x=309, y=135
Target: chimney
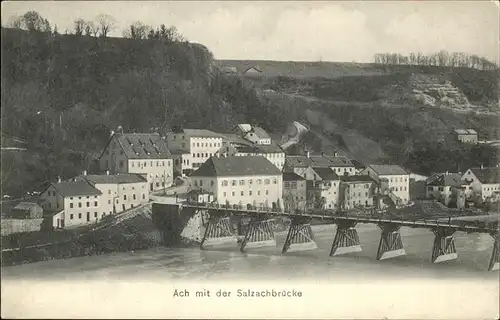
x=482, y=167
x=119, y=130
x=107, y=172
x=335, y=154
x=58, y=179
x=308, y=154
x=84, y=172
x=322, y=154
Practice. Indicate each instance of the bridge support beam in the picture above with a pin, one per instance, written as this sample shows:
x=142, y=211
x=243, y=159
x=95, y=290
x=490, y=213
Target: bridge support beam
x=259, y=234
x=300, y=236
x=390, y=245
x=219, y=231
x=444, y=245
x=346, y=239
x=495, y=255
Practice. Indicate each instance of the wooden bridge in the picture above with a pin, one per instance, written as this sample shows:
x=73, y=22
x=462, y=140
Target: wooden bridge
x=259, y=231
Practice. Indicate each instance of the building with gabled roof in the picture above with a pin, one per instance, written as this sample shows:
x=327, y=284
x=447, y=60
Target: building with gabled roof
x=294, y=192
x=72, y=203
x=357, y=191
x=446, y=188
x=192, y=147
x=323, y=190
x=466, y=135
x=392, y=179
x=482, y=184
x=143, y=153
x=299, y=163
x=246, y=180
x=27, y=210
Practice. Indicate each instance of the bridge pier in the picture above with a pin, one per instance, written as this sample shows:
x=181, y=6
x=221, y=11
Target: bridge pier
x=346, y=239
x=300, y=236
x=259, y=234
x=444, y=245
x=219, y=231
x=495, y=255
x=390, y=245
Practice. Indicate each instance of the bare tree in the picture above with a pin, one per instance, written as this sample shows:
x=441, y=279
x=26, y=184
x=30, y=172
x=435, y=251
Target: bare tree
x=15, y=22
x=137, y=30
x=80, y=25
x=106, y=24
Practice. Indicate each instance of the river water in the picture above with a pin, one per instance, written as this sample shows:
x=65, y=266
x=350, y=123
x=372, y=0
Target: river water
x=474, y=251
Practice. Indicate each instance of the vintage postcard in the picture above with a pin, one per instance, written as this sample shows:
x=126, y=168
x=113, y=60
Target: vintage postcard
x=250, y=159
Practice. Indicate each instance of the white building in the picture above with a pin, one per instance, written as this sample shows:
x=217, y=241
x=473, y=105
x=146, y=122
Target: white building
x=73, y=203
x=253, y=134
x=466, y=135
x=482, y=184
x=144, y=153
x=299, y=163
x=235, y=145
x=444, y=187
x=192, y=147
x=395, y=177
x=240, y=181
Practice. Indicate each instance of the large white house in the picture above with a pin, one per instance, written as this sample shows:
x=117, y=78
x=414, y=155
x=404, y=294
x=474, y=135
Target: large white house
x=482, y=184
x=192, y=147
x=242, y=181
x=394, y=177
x=144, y=153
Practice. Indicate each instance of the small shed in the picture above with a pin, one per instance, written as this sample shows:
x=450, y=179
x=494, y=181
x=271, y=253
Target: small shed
x=27, y=210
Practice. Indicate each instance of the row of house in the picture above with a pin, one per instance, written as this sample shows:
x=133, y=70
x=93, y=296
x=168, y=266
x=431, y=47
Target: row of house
x=476, y=186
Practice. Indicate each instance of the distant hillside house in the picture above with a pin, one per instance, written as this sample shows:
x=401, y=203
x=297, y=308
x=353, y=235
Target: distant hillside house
x=192, y=147
x=392, y=179
x=482, y=184
x=446, y=188
x=240, y=181
x=27, y=210
x=144, y=153
x=299, y=164
x=234, y=145
x=71, y=203
x=229, y=70
x=466, y=135
x=357, y=191
x=253, y=134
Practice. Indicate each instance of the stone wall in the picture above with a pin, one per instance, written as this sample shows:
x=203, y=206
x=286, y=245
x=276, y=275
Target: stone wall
x=11, y=226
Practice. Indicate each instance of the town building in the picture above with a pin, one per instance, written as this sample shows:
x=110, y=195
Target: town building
x=252, y=72
x=446, y=188
x=482, y=184
x=72, y=203
x=192, y=147
x=243, y=181
x=27, y=210
x=323, y=192
x=393, y=180
x=143, y=153
x=254, y=134
x=294, y=192
x=235, y=145
x=300, y=164
x=357, y=191
x=466, y=135
x=120, y=192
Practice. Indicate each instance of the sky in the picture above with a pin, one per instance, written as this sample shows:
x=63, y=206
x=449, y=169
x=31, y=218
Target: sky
x=298, y=31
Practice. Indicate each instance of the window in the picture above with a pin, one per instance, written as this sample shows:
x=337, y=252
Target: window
x=224, y=194
x=242, y=182
x=258, y=192
x=79, y=204
x=95, y=203
x=259, y=181
x=71, y=205
x=232, y=193
x=267, y=181
x=242, y=193
x=71, y=216
x=132, y=163
x=201, y=183
x=79, y=216
x=70, y=198
x=124, y=197
x=95, y=214
x=430, y=188
x=109, y=201
x=212, y=183
x=143, y=196
x=133, y=196
x=293, y=185
x=267, y=192
x=233, y=183
x=275, y=181
x=224, y=183
x=250, y=192
x=249, y=181
x=121, y=164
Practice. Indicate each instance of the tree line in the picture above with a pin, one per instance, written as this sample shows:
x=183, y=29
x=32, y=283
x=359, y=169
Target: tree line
x=441, y=59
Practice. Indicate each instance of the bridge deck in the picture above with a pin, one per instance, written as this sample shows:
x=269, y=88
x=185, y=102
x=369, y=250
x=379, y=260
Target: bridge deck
x=479, y=224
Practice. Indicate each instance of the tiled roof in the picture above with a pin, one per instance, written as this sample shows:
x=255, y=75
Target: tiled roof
x=121, y=178
x=201, y=133
x=326, y=174
x=261, y=133
x=357, y=164
x=443, y=179
x=292, y=176
x=388, y=169
x=487, y=175
x=465, y=131
x=236, y=166
x=318, y=161
x=76, y=188
x=355, y=178
x=260, y=148
x=237, y=139
x=143, y=145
